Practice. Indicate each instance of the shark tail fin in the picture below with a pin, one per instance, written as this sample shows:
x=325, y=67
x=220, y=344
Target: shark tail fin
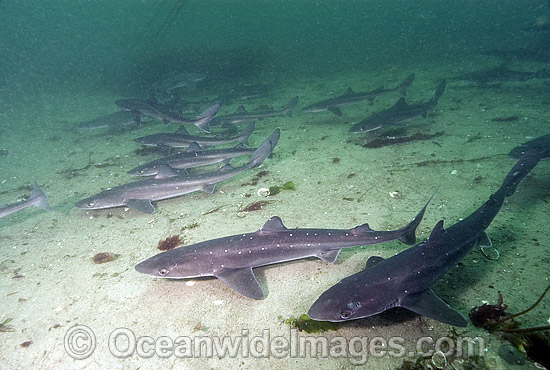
x=39, y=199
x=264, y=150
x=439, y=91
x=407, y=82
x=409, y=231
x=203, y=119
x=290, y=106
x=524, y=165
x=244, y=135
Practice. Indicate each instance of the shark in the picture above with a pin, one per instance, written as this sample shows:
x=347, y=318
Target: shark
x=404, y=280
x=241, y=115
x=194, y=156
x=400, y=112
x=110, y=121
x=139, y=195
x=152, y=108
x=351, y=98
x=501, y=74
x=232, y=258
x=36, y=199
x=541, y=142
x=183, y=139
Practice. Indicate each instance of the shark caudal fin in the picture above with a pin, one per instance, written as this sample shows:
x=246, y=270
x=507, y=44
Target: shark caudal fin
x=38, y=198
x=409, y=231
x=407, y=82
x=264, y=150
x=244, y=135
x=439, y=91
x=287, y=109
x=524, y=165
x=203, y=119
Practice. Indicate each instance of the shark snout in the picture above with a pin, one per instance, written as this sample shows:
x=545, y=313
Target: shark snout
x=324, y=310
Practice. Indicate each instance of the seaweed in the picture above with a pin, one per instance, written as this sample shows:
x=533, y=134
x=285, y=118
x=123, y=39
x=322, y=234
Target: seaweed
x=304, y=323
x=105, y=257
x=170, y=242
x=529, y=341
x=74, y=172
x=4, y=327
x=255, y=206
x=275, y=189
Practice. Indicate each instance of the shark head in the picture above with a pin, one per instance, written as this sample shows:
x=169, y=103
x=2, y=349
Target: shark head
x=342, y=303
x=355, y=297
x=99, y=201
x=171, y=265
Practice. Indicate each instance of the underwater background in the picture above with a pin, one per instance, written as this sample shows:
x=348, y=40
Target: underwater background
x=64, y=63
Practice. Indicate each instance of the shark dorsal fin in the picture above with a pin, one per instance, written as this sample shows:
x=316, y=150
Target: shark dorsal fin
x=194, y=147
x=240, y=146
x=241, y=110
x=273, y=225
x=361, y=229
x=373, y=260
x=401, y=103
x=182, y=130
x=437, y=231
x=349, y=91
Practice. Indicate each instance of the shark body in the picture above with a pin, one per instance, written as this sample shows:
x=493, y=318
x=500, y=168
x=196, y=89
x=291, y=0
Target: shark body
x=400, y=112
x=351, y=98
x=232, y=258
x=37, y=199
x=139, y=195
x=404, y=279
x=241, y=115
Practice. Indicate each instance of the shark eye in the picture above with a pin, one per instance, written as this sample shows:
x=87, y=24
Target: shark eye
x=346, y=314
x=163, y=272
x=90, y=204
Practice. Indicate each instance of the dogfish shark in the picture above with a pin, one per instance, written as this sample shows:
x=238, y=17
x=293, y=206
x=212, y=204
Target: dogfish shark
x=37, y=199
x=404, y=280
x=400, y=112
x=351, y=97
x=139, y=195
x=232, y=258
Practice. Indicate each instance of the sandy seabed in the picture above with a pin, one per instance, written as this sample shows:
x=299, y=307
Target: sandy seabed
x=51, y=288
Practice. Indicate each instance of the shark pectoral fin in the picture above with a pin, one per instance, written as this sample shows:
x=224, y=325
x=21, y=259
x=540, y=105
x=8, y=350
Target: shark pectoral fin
x=329, y=256
x=373, y=260
x=428, y=304
x=243, y=281
x=209, y=188
x=484, y=241
x=165, y=171
x=141, y=205
x=336, y=111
